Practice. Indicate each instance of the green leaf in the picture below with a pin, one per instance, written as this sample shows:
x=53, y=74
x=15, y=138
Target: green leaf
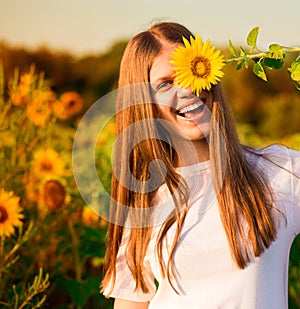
x=295, y=71
x=240, y=65
x=246, y=62
x=297, y=85
x=252, y=37
x=272, y=63
x=276, y=51
x=232, y=49
x=243, y=52
x=259, y=71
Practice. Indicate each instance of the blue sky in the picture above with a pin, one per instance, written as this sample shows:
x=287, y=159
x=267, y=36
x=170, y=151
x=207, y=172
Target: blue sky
x=91, y=26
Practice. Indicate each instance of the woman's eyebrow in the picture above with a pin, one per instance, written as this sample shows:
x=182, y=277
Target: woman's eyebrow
x=164, y=78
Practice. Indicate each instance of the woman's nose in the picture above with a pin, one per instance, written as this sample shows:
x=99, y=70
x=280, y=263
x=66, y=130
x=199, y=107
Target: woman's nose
x=184, y=92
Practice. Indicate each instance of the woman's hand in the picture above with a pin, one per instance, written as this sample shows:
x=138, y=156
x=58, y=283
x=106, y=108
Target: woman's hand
x=128, y=304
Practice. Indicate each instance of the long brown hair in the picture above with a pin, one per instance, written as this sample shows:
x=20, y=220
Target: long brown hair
x=243, y=195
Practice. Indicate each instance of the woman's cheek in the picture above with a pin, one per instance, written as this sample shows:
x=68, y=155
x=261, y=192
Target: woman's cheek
x=166, y=98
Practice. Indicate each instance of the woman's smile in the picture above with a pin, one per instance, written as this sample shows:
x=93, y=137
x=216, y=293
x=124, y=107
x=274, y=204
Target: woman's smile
x=191, y=109
x=194, y=109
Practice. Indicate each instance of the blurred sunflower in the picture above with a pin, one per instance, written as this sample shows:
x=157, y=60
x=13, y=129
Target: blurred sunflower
x=88, y=216
x=38, y=110
x=91, y=218
x=197, y=65
x=47, y=162
x=31, y=183
x=10, y=213
x=53, y=194
x=21, y=94
x=70, y=104
x=7, y=139
x=19, y=99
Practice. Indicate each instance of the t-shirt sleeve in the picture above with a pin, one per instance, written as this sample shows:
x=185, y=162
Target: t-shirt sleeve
x=283, y=171
x=124, y=287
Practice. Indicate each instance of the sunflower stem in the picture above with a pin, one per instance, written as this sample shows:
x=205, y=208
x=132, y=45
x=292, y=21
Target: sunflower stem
x=21, y=240
x=2, y=239
x=261, y=55
x=75, y=247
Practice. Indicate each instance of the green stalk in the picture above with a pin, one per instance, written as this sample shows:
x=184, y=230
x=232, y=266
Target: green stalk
x=75, y=247
x=261, y=55
x=76, y=253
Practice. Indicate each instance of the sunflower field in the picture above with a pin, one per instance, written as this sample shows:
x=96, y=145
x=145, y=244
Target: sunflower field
x=51, y=243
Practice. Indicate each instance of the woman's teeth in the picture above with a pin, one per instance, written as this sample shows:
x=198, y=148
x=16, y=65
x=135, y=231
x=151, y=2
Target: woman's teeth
x=196, y=107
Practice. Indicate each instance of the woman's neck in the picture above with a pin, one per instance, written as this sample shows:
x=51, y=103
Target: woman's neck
x=191, y=152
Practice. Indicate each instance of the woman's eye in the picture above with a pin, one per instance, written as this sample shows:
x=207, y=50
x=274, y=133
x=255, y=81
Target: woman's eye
x=164, y=86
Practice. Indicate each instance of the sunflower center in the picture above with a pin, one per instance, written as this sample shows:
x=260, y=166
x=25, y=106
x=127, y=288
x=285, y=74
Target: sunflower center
x=3, y=214
x=54, y=194
x=200, y=67
x=46, y=166
x=71, y=103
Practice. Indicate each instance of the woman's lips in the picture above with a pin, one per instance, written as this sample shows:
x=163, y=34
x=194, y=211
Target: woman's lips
x=189, y=111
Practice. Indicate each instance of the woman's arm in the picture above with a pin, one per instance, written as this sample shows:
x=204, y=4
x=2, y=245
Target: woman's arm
x=128, y=304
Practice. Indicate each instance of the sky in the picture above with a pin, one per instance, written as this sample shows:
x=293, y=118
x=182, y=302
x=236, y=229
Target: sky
x=93, y=26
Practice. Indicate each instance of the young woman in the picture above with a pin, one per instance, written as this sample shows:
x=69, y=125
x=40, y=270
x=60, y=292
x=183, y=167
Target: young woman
x=198, y=220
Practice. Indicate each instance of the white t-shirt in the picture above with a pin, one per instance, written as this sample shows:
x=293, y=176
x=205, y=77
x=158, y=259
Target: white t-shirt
x=207, y=277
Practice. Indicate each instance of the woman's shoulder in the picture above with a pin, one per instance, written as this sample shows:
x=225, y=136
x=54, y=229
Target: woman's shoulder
x=280, y=155
x=278, y=162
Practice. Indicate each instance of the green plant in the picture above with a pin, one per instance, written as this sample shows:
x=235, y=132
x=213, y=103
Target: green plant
x=262, y=60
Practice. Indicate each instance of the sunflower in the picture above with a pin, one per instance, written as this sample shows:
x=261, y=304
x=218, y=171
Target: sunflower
x=7, y=139
x=38, y=110
x=31, y=183
x=197, y=65
x=10, y=213
x=89, y=217
x=47, y=162
x=53, y=194
x=70, y=104
x=20, y=95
